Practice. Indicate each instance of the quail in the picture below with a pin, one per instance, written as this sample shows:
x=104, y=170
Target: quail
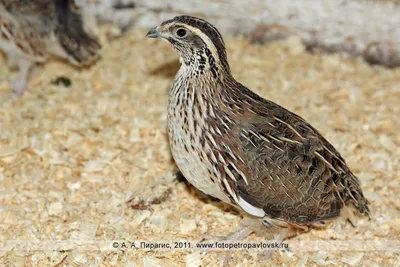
x=247, y=151
x=32, y=30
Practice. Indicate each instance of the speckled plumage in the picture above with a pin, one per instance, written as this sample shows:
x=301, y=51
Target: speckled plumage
x=245, y=150
x=32, y=30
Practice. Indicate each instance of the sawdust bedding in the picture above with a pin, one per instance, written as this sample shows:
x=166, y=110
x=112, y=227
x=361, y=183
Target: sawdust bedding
x=87, y=163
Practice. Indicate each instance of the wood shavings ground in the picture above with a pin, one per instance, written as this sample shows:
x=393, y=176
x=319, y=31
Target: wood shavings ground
x=71, y=157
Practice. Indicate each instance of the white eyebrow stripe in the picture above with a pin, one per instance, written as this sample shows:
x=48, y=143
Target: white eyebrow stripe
x=210, y=45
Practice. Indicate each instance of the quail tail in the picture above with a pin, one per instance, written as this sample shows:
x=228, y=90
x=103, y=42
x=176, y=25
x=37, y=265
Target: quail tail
x=355, y=196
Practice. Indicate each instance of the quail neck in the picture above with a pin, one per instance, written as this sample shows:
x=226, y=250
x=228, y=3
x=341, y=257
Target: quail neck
x=245, y=150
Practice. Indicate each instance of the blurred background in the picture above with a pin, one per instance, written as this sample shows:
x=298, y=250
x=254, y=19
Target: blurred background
x=366, y=28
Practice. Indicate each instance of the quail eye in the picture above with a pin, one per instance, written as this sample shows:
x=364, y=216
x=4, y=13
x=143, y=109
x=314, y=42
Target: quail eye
x=181, y=32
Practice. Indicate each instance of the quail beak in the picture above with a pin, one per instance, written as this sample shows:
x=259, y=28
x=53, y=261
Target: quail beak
x=153, y=33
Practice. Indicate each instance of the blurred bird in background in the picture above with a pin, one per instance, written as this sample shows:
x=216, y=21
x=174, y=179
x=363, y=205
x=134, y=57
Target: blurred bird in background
x=32, y=30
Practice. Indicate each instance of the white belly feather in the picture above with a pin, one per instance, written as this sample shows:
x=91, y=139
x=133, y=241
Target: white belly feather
x=195, y=171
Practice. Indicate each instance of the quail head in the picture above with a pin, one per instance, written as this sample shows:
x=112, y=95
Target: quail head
x=32, y=30
x=243, y=149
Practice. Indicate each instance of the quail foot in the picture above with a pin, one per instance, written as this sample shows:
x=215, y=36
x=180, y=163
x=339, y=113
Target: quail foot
x=245, y=150
x=32, y=30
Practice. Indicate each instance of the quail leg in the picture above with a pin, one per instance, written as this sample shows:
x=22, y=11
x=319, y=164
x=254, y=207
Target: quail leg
x=12, y=61
x=21, y=84
x=238, y=235
x=279, y=235
x=280, y=231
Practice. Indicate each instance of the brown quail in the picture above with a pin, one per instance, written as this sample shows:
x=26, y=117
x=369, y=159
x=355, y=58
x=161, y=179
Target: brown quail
x=32, y=30
x=245, y=150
